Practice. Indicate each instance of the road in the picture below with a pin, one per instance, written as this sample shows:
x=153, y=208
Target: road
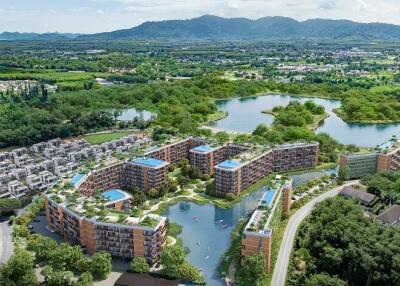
x=282, y=262
x=6, y=246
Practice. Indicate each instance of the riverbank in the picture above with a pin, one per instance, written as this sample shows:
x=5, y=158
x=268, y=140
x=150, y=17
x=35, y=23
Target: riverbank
x=339, y=112
x=216, y=116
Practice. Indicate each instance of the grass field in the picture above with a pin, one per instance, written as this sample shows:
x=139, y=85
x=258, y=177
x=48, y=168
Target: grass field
x=104, y=137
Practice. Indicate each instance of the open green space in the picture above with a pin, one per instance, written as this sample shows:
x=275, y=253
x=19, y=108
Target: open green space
x=104, y=137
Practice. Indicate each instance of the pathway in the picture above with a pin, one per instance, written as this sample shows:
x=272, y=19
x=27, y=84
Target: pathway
x=282, y=262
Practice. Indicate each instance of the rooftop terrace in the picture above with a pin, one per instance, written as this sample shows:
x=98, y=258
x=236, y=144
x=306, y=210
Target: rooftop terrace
x=149, y=162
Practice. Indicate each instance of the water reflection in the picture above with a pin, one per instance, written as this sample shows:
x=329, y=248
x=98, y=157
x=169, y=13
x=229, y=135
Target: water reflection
x=245, y=114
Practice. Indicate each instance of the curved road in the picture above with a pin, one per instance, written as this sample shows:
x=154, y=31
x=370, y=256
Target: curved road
x=282, y=262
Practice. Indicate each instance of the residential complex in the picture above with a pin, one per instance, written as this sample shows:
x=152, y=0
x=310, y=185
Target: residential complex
x=257, y=235
x=364, y=164
x=105, y=224
x=37, y=168
x=234, y=176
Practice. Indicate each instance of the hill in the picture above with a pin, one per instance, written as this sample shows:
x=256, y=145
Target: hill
x=213, y=27
x=16, y=36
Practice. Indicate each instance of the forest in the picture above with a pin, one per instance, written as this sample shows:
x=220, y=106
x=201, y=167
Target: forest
x=339, y=246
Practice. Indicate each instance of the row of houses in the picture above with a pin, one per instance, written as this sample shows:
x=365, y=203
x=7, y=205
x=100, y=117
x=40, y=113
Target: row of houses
x=44, y=163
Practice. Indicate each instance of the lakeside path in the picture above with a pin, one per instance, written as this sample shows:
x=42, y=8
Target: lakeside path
x=282, y=262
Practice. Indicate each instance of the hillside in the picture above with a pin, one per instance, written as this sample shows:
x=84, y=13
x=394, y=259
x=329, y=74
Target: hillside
x=212, y=27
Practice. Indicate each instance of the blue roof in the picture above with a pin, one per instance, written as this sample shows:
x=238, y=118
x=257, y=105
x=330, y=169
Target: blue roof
x=113, y=195
x=268, y=197
x=202, y=148
x=229, y=164
x=148, y=162
x=76, y=179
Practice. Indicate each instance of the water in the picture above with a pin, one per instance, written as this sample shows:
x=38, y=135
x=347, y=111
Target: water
x=245, y=114
x=132, y=113
x=207, y=228
x=206, y=236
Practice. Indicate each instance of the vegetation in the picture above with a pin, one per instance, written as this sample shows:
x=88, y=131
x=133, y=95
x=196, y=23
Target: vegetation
x=104, y=137
x=140, y=265
x=253, y=271
x=349, y=250
x=175, y=265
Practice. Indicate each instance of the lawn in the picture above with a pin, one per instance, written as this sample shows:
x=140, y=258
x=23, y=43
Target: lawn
x=104, y=137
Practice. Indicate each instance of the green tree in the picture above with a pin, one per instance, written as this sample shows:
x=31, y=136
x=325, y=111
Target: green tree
x=85, y=279
x=100, y=265
x=19, y=270
x=253, y=271
x=66, y=257
x=153, y=193
x=324, y=280
x=57, y=277
x=42, y=246
x=343, y=175
x=175, y=264
x=140, y=265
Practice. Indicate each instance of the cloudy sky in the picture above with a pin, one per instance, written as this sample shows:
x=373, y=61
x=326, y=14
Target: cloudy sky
x=90, y=16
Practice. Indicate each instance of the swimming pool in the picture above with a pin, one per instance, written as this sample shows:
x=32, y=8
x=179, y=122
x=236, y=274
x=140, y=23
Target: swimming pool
x=113, y=195
x=202, y=148
x=268, y=197
x=76, y=179
x=229, y=164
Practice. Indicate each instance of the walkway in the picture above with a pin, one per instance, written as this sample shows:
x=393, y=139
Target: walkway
x=6, y=246
x=282, y=262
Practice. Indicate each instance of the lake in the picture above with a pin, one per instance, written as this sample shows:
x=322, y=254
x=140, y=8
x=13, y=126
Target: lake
x=132, y=113
x=244, y=114
x=207, y=228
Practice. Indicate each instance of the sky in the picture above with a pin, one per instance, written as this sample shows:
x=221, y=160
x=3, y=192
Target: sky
x=92, y=16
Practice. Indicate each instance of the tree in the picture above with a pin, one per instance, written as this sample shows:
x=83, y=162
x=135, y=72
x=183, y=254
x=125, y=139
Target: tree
x=57, y=277
x=253, y=271
x=140, y=265
x=343, y=175
x=66, y=257
x=324, y=280
x=85, y=279
x=175, y=264
x=222, y=137
x=42, y=246
x=153, y=193
x=19, y=270
x=100, y=265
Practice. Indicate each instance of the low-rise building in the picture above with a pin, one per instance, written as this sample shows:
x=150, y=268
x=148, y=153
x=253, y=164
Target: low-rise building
x=362, y=196
x=17, y=189
x=47, y=178
x=18, y=173
x=34, y=183
x=390, y=216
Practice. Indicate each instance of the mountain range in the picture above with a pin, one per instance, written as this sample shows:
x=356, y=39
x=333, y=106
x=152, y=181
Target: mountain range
x=215, y=28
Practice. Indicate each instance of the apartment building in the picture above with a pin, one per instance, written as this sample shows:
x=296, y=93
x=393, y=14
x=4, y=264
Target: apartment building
x=295, y=156
x=23, y=161
x=109, y=177
x=363, y=164
x=125, y=237
x=146, y=173
x=257, y=235
x=234, y=176
x=175, y=152
x=206, y=157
